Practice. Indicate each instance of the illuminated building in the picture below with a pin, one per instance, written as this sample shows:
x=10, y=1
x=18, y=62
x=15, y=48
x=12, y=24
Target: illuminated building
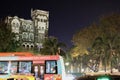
x=31, y=33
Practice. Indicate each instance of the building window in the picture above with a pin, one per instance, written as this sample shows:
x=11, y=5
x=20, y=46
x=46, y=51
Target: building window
x=39, y=27
x=23, y=45
x=41, y=20
x=32, y=46
x=25, y=36
x=28, y=27
x=42, y=28
x=15, y=25
x=17, y=37
x=31, y=37
x=45, y=20
x=24, y=28
x=31, y=28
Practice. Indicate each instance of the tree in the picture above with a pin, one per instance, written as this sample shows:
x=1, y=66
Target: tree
x=102, y=38
x=84, y=38
x=7, y=38
x=111, y=30
x=51, y=46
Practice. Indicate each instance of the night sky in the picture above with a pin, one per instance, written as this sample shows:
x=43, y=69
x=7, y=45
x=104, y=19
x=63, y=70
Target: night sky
x=66, y=16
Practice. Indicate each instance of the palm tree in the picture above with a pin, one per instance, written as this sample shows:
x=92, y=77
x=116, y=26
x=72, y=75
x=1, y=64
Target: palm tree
x=51, y=46
x=99, y=50
x=113, y=43
x=106, y=48
x=117, y=52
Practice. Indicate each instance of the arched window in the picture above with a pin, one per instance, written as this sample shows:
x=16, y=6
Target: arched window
x=15, y=25
x=31, y=37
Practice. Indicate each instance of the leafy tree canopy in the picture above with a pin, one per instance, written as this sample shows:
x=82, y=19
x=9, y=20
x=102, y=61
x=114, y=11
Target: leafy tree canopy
x=7, y=38
x=107, y=27
x=52, y=46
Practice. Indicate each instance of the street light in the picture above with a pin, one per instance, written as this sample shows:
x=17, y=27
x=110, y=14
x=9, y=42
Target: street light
x=58, y=50
x=67, y=63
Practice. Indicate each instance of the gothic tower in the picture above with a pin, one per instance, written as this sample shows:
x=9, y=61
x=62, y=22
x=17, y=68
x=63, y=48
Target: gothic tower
x=40, y=21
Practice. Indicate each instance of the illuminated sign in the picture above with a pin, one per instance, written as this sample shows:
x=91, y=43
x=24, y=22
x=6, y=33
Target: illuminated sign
x=104, y=77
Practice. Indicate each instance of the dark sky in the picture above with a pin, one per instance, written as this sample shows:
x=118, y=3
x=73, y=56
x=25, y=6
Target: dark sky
x=66, y=16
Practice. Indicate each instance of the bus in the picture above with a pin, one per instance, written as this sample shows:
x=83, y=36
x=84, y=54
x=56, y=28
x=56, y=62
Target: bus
x=26, y=66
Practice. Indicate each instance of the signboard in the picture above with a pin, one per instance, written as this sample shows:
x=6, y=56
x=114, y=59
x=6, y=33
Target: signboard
x=52, y=77
x=36, y=62
x=37, y=58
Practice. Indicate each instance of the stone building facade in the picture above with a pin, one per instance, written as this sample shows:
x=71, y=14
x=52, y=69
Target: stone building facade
x=31, y=33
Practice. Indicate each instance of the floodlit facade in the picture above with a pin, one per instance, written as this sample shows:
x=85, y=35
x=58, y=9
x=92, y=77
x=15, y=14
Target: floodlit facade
x=31, y=33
